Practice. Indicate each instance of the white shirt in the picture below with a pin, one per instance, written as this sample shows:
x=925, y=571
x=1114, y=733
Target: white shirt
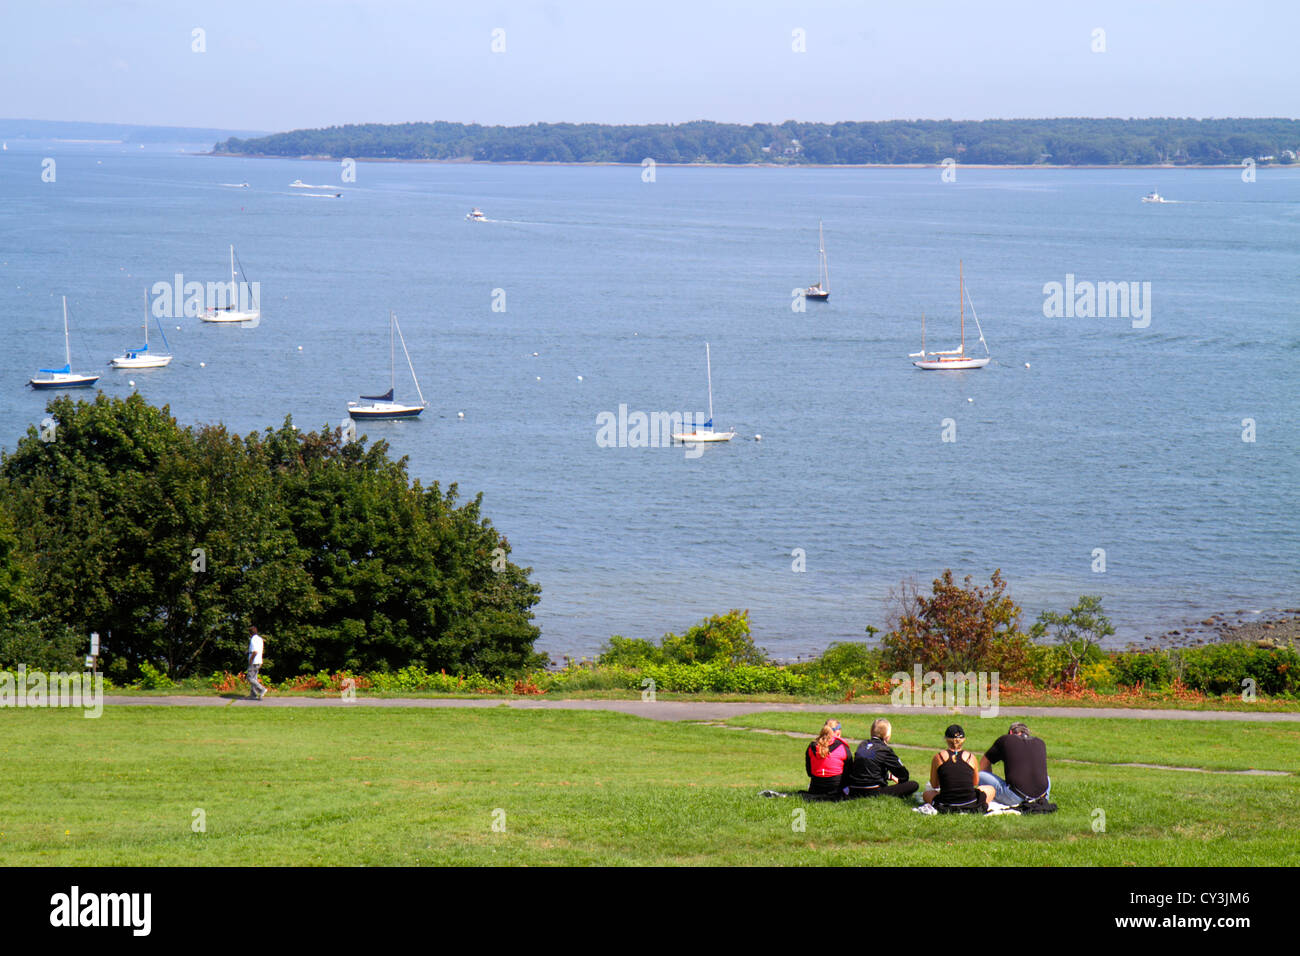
x=255, y=648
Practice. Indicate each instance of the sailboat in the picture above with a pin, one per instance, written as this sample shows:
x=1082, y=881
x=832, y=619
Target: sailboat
x=63, y=377
x=953, y=358
x=230, y=312
x=822, y=290
x=705, y=432
x=382, y=406
x=142, y=357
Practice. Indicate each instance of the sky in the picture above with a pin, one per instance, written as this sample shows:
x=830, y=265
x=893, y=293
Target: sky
x=290, y=64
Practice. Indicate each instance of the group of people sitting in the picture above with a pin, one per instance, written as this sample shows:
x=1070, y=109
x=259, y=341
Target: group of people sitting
x=959, y=782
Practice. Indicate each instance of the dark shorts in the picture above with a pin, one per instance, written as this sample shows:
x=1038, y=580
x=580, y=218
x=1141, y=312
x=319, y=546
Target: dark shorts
x=904, y=789
x=977, y=804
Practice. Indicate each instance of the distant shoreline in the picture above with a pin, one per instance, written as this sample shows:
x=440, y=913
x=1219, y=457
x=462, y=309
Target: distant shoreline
x=486, y=162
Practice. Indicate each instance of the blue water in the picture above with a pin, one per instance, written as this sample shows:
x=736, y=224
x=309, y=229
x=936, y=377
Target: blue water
x=1118, y=438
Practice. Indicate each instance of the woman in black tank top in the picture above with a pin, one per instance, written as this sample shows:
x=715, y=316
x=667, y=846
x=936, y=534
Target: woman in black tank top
x=954, y=777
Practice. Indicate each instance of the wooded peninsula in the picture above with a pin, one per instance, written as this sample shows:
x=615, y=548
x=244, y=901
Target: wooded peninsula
x=1016, y=142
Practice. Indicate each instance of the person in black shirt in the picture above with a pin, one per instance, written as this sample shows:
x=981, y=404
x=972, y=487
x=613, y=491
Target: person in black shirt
x=1025, y=758
x=876, y=770
x=954, y=778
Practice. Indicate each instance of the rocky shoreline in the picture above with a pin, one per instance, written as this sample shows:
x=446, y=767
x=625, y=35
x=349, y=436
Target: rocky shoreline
x=1266, y=628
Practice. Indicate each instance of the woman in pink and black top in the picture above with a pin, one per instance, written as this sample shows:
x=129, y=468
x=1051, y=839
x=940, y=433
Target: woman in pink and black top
x=828, y=760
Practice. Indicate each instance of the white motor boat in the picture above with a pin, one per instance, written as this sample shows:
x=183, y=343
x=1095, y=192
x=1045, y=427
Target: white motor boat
x=476, y=215
x=1154, y=196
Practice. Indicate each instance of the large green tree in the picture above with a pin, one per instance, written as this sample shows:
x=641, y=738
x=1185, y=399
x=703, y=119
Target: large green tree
x=170, y=541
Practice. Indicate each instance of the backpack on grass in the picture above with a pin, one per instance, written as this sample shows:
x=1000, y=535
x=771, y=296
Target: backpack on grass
x=1039, y=805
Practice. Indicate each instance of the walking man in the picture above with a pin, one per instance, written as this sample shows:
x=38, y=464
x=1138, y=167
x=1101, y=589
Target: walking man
x=256, y=690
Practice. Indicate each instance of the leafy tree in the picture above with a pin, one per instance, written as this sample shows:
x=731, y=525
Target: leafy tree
x=1079, y=633
x=170, y=541
x=956, y=628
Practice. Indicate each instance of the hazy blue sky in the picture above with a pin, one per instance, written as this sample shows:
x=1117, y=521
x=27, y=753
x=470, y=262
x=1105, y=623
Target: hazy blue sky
x=283, y=64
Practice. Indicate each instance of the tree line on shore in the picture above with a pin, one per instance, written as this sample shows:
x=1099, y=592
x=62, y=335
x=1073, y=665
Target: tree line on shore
x=1062, y=141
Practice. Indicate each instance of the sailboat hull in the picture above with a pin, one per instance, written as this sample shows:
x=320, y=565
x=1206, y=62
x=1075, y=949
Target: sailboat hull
x=143, y=361
x=692, y=437
x=953, y=364
x=66, y=381
x=818, y=296
x=230, y=316
x=384, y=412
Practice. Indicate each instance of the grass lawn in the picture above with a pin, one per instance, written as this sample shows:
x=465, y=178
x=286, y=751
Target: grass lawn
x=406, y=786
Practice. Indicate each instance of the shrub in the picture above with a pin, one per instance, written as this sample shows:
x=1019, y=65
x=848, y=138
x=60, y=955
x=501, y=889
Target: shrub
x=1151, y=670
x=1097, y=675
x=844, y=667
x=720, y=678
x=1017, y=659
x=151, y=678
x=629, y=652
x=955, y=628
x=1222, y=668
x=723, y=638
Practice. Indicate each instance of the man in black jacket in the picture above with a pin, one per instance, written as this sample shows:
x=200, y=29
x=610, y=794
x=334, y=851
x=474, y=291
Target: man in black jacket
x=876, y=770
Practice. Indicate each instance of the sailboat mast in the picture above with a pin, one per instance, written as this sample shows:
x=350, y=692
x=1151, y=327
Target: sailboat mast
x=232, y=271
x=825, y=263
x=146, y=318
x=67, y=347
x=708, y=365
x=961, y=296
x=392, y=352
x=922, y=333
x=409, y=363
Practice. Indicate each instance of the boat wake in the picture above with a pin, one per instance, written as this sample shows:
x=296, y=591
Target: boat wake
x=235, y=185
x=316, y=195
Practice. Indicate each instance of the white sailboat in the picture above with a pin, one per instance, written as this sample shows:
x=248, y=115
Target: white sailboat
x=705, y=432
x=231, y=311
x=382, y=407
x=822, y=290
x=953, y=359
x=141, y=357
x=63, y=377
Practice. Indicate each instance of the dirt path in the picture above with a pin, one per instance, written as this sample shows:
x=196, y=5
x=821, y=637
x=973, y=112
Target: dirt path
x=695, y=710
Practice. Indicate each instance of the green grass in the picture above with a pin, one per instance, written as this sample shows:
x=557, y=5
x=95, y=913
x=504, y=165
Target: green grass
x=407, y=786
